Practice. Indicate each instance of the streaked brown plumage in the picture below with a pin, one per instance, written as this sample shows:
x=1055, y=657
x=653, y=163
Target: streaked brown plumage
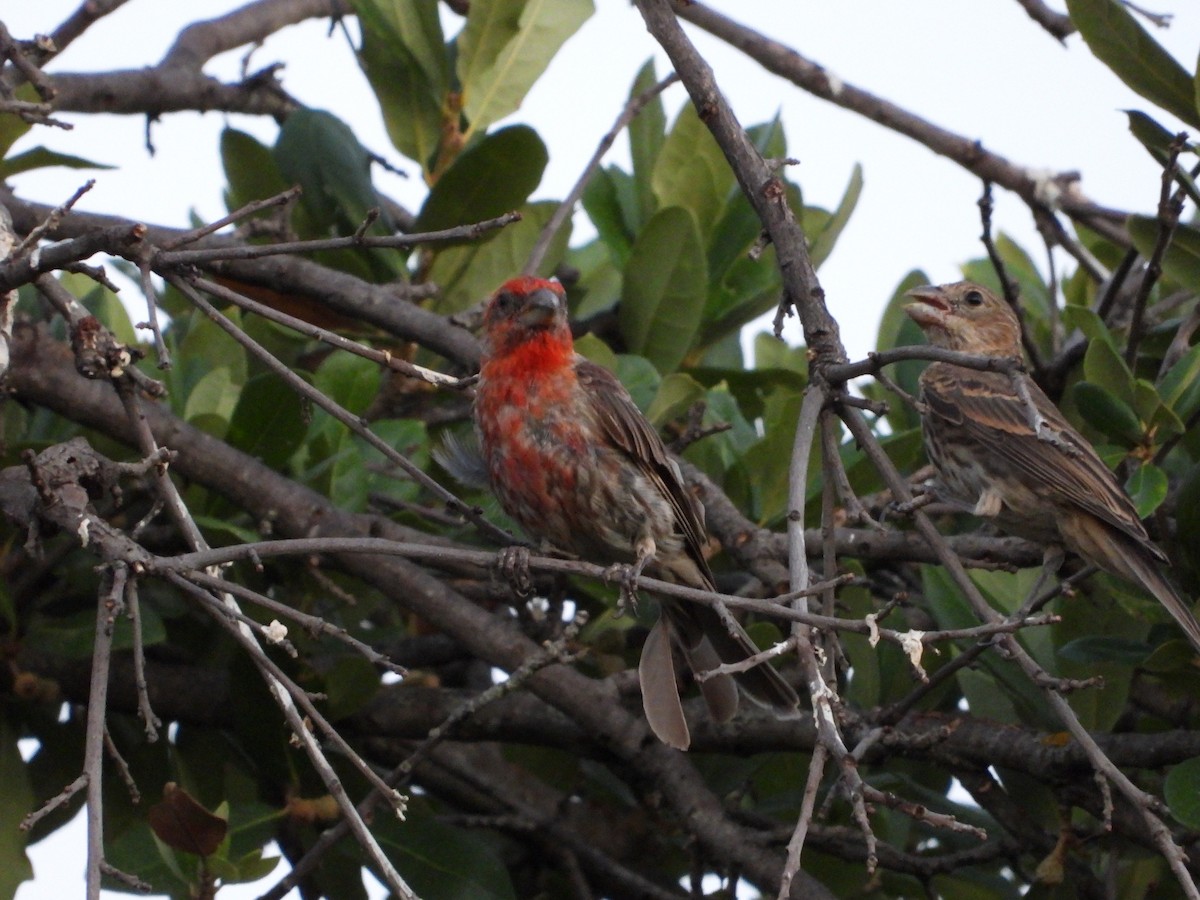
x=573, y=460
x=991, y=461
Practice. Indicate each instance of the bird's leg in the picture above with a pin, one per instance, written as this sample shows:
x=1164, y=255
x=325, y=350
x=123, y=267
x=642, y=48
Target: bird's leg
x=1052, y=560
x=513, y=563
x=923, y=495
x=644, y=549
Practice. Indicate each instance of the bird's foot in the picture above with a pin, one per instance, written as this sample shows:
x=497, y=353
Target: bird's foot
x=923, y=495
x=627, y=577
x=513, y=563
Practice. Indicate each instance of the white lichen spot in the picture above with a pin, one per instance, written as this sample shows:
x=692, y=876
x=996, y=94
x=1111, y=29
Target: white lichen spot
x=82, y=531
x=872, y=629
x=538, y=607
x=275, y=632
x=913, y=644
x=1046, y=188
x=835, y=84
x=400, y=804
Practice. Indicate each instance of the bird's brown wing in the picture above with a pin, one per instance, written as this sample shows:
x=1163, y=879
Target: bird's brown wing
x=700, y=628
x=628, y=429
x=987, y=408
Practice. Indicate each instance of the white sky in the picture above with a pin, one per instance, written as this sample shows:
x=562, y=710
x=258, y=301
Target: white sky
x=979, y=68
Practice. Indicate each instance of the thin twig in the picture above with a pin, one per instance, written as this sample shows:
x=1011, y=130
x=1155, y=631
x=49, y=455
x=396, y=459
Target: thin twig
x=336, y=410
x=1008, y=285
x=842, y=372
x=93, y=752
x=382, y=357
x=51, y=221
x=816, y=770
x=564, y=210
x=254, y=206
x=56, y=802
x=311, y=624
x=398, y=778
x=1170, y=206
x=172, y=258
x=150, y=721
x=779, y=607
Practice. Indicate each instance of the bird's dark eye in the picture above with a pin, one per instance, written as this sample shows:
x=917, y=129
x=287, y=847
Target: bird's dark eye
x=973, y=298
x=505, y=302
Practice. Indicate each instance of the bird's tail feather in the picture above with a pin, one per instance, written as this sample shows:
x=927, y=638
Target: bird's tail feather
x=762, y=683
x=1149, y=573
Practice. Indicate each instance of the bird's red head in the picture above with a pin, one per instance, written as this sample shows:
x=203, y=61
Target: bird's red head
x=524, y=309
x=966, y=317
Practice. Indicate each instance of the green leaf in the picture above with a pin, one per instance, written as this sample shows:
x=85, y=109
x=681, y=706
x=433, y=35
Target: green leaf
x=252, y=867
x=349, y=380
x=821, y=244
x=268, y=422
x=640, y=378
x=1089, y=323
x=766, y=461
x=1147, y=487
x=212, y=399
x=18, y=801
x=675, y=396
x=691, y=171
x=495, y=176
x=1157, y=141
x=1181, y=376
x=404, y=57
x=1182, y=259
x=319, y=151
x=41, y=158
x=749, y=288
x=1103, y=366
x=12, y=128
x=74, y=635
x=250, y=169
x=1108, y=414
x=505, y=47
x=591, y=347
x=720, y=453
x=439, y=861
x=647, y=133
x=349, y=686
x=412, y=27
x=1181, y=788
x=1152, y=136
x=665, y=286
x=1117, y=39
x=602, y=201
x=1105, y=648
x=204, y=347
x=468, y=273
x=410, y=439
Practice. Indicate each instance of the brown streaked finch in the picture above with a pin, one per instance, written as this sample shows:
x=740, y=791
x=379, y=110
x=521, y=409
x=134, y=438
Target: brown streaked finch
x=1052, y=487
x=575, y=463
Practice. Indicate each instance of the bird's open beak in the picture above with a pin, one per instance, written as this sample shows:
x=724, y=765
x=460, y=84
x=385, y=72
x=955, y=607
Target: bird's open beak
x=930, y=307
x=540, y=307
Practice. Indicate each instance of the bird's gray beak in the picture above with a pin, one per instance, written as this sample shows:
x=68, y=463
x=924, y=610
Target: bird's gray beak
x=930, y=307
x=540, y=307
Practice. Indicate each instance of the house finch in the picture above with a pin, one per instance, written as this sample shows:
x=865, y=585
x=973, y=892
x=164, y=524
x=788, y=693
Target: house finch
x=1043, y=482
x=573, y=460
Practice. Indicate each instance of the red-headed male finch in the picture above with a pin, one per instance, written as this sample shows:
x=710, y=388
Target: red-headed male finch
x=1051, y=488
x=574, y=462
